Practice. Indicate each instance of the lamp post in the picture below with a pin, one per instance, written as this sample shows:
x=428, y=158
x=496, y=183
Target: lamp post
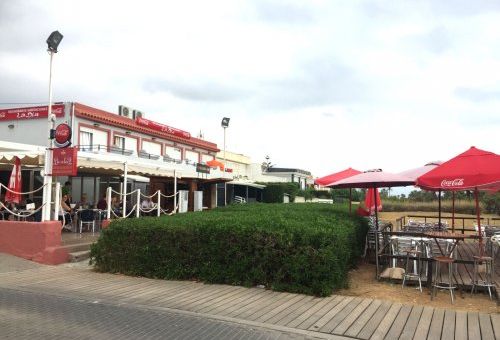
x=225, y=124
x=53, y=42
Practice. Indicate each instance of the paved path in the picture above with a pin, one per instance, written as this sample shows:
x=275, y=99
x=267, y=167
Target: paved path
x=332, y=317
x=25, y=315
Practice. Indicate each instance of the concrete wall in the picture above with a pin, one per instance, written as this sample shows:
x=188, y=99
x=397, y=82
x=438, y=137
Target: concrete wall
x=36, y=241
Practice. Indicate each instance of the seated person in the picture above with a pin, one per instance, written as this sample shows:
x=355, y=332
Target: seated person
x=102, y=204
x=147, y=205
x=6, y=214
x=65, y=212
x=83, y=204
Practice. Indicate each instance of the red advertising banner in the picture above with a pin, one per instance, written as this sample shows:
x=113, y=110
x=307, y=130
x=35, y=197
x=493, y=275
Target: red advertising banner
x=64, y=161
x=31, y=112
x=162, y=128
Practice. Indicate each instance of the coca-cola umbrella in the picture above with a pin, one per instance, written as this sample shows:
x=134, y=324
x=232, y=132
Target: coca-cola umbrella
x=370, y=201
x=374, y=179
x=337, y=176
x=14, y=192
x=474, y=169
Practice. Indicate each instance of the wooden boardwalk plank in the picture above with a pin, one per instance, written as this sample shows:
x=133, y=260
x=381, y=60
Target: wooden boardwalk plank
x=374, y=321
x=262, y=304
x=361, y=321
x=330, y=314
x=237, y=306
x=473, y=325
x=399, y=323
x=424, y=324
x=461, y=325
x=412, y=323
x=289, y=310
x=226, y=301
x=280, y=308
x=320, y=313
x=386, y=322
x=495, y=322
x=486, y=327
x=436, y=327
x=448, y=325
x=213, y=299
x=341, y=315
x=349, y=320
x=269, y=307
x=309, y=312
x=255, y=302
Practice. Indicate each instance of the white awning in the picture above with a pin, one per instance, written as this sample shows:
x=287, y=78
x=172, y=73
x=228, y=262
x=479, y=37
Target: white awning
x=248, y=184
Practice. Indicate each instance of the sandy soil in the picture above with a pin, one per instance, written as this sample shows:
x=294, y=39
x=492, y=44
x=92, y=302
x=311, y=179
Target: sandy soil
x=363, y=284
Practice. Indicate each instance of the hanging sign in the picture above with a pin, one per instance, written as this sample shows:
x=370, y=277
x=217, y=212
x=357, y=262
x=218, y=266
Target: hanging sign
x=31, y=112
x=202, y=168
x=162, y=128
x=64, y=161
x=63, y=135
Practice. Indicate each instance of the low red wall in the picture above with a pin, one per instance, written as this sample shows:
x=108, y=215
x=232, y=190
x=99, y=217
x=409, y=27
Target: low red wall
x=36, y=241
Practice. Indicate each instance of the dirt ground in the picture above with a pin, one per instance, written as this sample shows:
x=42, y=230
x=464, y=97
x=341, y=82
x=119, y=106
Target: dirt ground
x=362, y=283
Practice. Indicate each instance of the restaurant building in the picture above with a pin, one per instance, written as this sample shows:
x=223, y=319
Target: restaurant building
x=154, y=155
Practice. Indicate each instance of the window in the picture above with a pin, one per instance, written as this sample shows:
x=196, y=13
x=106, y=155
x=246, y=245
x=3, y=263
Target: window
x=86, y=141
x=173, y=152
x=119, y=142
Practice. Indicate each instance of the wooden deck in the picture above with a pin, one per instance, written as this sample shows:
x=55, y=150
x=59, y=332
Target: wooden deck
x=331, y=317
x=463, y=273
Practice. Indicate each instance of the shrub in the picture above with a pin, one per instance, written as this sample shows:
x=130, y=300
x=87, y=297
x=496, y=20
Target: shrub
x=302, y=248
x=461, y=207
x=274, y=192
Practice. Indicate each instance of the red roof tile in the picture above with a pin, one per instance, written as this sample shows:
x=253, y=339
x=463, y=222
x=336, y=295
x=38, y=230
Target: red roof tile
x=129, y=124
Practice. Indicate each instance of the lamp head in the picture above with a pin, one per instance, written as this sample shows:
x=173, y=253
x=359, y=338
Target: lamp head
x=54, y=40
x=225, y=122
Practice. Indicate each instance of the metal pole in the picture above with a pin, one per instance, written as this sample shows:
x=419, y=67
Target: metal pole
x=47, y=180
x=453, y=212
x=376, y=232
x=481, y=248
x=124, y=190
x=57, y=200
x=175, y=191
x=350, y=200
x=439, y=207
x=225, y=186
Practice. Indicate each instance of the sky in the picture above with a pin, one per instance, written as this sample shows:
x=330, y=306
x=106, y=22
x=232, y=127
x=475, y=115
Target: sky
x=315, y=85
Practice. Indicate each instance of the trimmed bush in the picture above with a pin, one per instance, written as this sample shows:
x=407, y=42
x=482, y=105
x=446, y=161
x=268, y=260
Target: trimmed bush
x=274, y=192
x=302, y=248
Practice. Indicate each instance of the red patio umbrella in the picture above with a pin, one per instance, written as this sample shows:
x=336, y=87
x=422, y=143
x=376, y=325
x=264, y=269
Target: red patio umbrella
x=13, y=194
x=370, y=200
x=474, y=169
x=337, y=176
x=216, y=163
x=374, y=179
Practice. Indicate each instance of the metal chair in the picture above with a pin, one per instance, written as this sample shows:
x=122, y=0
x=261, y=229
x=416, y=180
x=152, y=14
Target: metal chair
x=487, y=281
x=88, y=217
x=413, y=255
x=437, y=283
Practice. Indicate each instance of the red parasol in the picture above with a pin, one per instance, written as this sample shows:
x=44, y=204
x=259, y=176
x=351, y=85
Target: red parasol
x=474, y=169
x=337, y=176
x=215, y=163
x=14, y=192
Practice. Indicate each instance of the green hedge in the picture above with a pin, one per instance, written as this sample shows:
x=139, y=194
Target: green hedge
x=274, y=192
x=303, y=248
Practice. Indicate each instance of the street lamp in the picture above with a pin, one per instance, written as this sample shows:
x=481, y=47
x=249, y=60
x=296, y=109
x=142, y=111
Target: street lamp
x=225, y=124
x=53, y=42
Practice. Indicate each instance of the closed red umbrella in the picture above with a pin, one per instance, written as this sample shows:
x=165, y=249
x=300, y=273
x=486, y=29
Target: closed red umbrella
x=370, y=200
x=337, y=176
x=474, y=169
x=14, y=192
x=216, y=163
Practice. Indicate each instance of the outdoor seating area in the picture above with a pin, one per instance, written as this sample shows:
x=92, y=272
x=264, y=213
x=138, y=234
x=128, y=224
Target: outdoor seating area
x=420, y=254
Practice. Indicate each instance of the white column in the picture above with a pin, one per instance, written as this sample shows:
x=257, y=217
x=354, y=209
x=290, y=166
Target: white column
x=57, y=200
x=108, y=203
x=124, y=190
x=158, y=206
x=175, y=191
x=47, y=179
x=138, y=204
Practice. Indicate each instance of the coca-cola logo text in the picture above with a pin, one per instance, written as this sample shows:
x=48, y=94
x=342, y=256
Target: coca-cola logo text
x=457, y=182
